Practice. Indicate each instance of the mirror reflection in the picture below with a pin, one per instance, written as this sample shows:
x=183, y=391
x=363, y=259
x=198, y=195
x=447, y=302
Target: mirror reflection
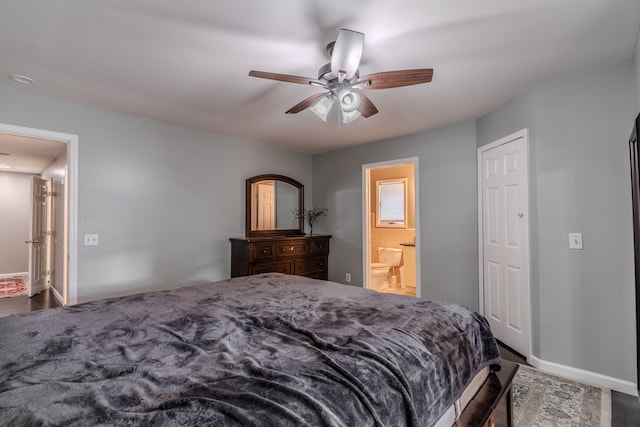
x=271, y=202
x=273, y=205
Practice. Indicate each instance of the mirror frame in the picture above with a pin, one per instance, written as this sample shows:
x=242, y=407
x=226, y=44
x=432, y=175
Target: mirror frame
x=249, y=200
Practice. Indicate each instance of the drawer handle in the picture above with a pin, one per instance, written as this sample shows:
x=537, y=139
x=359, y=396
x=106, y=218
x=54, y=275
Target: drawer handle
x=306, y=248
x=286, y=249
x=264, y=251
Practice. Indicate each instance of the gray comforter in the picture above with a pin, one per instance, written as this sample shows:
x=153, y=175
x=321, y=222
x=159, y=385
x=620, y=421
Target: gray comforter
x=269, y=350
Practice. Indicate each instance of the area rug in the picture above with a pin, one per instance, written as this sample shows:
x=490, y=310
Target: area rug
x=14, y=286
x=541, y=399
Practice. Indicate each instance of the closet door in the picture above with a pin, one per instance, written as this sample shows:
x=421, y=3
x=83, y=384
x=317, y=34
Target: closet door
x=504, y=240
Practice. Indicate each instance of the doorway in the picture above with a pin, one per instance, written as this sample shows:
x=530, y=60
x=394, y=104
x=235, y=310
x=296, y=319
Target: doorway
x=69, y=231
x=391, y=224
x=503, y=236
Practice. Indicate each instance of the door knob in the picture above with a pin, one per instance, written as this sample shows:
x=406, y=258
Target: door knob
x=35, y=242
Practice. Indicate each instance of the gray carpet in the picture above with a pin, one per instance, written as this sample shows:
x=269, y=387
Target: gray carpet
x=541, y=399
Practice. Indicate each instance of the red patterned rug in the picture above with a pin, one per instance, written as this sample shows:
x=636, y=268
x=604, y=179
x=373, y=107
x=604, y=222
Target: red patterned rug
x=15, y=286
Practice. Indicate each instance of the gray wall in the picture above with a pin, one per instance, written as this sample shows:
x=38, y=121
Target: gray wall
x=14, y=222
x=637, y=70
x=582, y=301
x=447, y=210
x=164, y=199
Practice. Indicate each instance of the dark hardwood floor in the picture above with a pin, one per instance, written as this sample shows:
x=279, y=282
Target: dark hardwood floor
x=625, y=409
x=25, y=304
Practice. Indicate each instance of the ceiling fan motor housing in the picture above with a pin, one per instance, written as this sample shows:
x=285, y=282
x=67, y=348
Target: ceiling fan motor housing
x=326, y=76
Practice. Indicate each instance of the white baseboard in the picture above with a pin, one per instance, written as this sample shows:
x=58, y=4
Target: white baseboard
x=2, y=276
x=587, y=377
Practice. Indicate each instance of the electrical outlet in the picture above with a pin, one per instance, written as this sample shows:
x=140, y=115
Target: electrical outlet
x=348, y=278
x=575, y=240
x=91, y=239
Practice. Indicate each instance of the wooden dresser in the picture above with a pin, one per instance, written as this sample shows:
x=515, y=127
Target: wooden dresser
x=300, y=255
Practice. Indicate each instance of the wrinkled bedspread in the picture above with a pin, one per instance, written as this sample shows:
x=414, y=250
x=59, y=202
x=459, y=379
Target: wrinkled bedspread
x=268, y=350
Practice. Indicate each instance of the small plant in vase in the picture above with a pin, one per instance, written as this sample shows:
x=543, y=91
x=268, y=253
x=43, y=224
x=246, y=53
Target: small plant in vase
x=310, y=215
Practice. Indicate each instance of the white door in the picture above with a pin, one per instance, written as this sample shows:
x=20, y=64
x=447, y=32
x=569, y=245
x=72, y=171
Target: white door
x=38, y=237
x=266, y=206
x=504, y=234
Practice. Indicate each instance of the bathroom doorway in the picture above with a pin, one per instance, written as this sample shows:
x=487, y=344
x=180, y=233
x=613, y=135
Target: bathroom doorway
x=391, y=221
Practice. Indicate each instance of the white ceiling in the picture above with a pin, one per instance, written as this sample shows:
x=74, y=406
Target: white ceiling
x=187, y=62
x=27, y=155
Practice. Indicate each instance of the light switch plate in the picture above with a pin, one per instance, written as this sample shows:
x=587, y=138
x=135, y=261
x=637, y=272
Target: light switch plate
x=91, y=239
x=575, y=240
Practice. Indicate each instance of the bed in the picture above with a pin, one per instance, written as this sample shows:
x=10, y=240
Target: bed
x=269, y=349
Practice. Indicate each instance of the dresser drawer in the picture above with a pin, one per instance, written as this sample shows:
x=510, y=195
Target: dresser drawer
x=320, y=246
x=262, y=251
x=310, y=265
x=272, y=267
x=292, y=249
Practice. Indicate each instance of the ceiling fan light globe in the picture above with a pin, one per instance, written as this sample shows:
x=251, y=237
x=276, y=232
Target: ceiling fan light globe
x=321, y=108
x=349, y=101
x=351, y=116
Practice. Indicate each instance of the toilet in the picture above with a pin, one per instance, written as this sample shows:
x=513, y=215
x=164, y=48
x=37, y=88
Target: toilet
x=389, y=259
x=379, y=275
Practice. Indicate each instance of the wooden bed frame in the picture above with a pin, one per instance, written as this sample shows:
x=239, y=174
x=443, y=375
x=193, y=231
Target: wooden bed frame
x=493, y=404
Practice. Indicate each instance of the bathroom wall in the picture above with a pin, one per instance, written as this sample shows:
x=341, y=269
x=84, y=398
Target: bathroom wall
x=392, y=237
x=14, y=221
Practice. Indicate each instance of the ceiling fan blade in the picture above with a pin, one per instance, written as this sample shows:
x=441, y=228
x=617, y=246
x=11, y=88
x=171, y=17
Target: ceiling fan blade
x=366, y=107
x=306, y=103
x=286, y=78
x=346, y=54
x=398, y=78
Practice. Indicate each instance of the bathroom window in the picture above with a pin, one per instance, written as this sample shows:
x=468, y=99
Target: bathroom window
x=392, y=203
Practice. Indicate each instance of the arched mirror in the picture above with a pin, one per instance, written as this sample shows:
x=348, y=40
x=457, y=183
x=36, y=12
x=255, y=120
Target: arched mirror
x=272, y=201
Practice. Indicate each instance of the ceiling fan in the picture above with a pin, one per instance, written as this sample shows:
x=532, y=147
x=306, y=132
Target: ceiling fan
x=343, y=83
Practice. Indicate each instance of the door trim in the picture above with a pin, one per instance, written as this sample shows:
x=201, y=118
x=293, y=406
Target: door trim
x=71, y=257
x=366, y=217
x=524, y=134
